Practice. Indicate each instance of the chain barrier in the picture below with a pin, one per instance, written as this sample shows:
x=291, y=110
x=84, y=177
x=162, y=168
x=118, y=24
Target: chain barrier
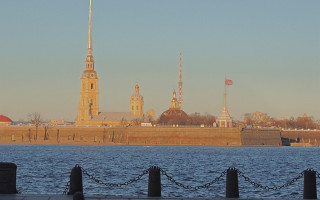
x=85, y=172
x=66, y=188
x=257, y=185
x=189, y=187
x=318, y=174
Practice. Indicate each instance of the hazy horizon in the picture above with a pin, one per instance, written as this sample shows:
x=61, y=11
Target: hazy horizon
x=269, y=48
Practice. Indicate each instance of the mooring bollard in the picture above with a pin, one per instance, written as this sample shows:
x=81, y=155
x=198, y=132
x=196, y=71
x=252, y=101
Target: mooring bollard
x=232, y=188
x=154, y=185
x=8, y=178
x=310, y=185
x=75, y=180
x=78, y=196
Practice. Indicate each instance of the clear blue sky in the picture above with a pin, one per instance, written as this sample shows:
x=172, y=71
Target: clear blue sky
x=269, y=48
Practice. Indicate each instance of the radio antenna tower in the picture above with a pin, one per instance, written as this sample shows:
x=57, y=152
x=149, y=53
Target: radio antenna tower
x=180, y=83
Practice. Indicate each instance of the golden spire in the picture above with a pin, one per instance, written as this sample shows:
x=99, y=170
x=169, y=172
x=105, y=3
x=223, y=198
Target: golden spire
x=89, y=60
x=90, y=31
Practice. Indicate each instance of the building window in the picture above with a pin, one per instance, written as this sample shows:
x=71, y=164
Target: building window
x=91, y=85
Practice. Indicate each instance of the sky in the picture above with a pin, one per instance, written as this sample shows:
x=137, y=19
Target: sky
x=269, y=48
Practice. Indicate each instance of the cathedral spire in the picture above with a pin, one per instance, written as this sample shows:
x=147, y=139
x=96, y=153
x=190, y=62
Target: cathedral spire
x=90, y=30
x=89, y=91
x=89, y=60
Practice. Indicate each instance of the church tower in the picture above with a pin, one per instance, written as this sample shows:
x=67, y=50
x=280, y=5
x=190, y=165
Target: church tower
x=174, y=102
x=136, y=103
x=89, y=93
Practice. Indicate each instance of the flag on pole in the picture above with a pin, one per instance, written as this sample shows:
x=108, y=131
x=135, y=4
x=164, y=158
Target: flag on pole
x=228, y=82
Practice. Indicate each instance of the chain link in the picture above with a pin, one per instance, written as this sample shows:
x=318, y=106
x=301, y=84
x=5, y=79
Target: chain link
x=189, y=187
x=85, y=172
x=318, y=174
x=66, y=188
x=257, y=185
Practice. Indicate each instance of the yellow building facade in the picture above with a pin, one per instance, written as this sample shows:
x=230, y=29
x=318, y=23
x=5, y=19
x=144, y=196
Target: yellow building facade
x=136, y=102
x=88, y=108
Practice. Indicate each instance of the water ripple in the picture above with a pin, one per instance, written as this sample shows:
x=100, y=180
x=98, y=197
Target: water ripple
x=46, y=169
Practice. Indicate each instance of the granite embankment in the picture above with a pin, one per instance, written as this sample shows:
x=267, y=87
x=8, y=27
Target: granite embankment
x=184, y=136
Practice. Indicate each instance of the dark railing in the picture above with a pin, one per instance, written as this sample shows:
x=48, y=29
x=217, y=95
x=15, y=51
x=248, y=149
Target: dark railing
x=75, y=186
x=232, y=188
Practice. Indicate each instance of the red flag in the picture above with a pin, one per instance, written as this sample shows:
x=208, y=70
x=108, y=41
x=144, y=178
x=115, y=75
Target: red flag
x=228, y=82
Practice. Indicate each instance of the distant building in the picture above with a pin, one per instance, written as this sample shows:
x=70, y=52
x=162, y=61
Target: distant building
x=88, y=109
x=54, y=122
x=151, y=116
x=174, y=116
x=136, y=102
x=4, y=120
x=89, y=93
x=224, y=120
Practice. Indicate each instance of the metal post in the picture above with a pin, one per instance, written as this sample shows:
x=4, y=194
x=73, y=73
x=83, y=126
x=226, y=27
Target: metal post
x=232, y=188
x=8, y=178
x=78, y=196
x=154, y=186
x=310, y=185
x=75, y=180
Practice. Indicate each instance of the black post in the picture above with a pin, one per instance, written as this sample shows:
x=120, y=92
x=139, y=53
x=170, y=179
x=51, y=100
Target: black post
x=310, y=185
x=75, y=180
x=8, y=178
x=232, y=188
x=154, y=186
x=78, y=196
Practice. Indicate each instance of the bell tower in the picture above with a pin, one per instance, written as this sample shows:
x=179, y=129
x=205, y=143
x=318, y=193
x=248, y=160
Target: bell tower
x=89, y=92
x=136, y=102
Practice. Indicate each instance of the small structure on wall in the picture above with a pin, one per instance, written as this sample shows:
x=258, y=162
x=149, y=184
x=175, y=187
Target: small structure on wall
x=224, y=120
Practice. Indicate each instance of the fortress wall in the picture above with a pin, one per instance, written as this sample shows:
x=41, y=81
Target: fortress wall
x=130, y=136
x=187, y=136
x=305, y=136
x=52, y=135
x=259, y=137
x=184, y=136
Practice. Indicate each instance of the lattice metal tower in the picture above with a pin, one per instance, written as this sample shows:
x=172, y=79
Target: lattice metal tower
x=180, y=82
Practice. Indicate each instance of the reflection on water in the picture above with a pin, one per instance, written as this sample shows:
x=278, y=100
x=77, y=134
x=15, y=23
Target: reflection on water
x=46, y=169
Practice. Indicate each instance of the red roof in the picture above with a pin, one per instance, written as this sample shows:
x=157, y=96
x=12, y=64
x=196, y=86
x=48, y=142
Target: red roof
x=5, y=119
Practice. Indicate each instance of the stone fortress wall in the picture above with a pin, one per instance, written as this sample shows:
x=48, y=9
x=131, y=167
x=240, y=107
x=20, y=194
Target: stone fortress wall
x=149, y=136
x=120, y=135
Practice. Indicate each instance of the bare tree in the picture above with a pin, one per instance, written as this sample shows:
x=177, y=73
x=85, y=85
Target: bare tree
x=35, y=118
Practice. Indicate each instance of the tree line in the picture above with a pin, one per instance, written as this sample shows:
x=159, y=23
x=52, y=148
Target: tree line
x=259, y=119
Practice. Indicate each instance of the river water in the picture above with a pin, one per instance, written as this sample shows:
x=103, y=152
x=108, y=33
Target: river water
x=46, y=169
